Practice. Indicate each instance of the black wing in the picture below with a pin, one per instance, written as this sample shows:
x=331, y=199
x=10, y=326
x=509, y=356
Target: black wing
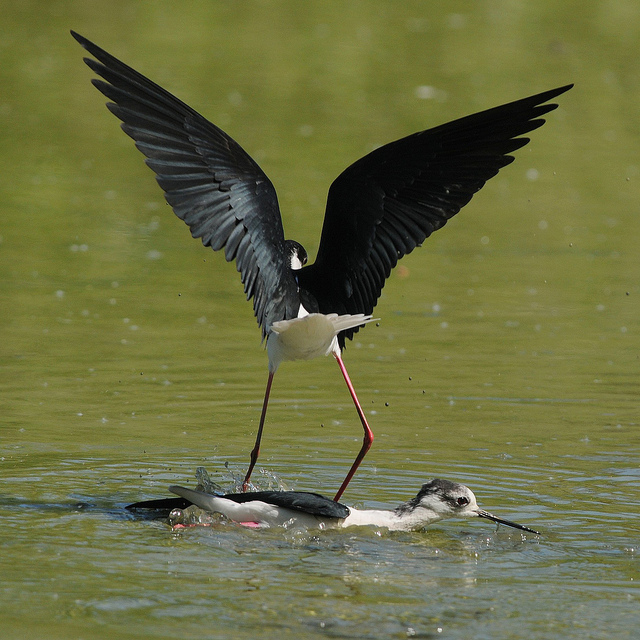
x=386, y=204
x=312, y=503
x=208, y=179
x=160, y=508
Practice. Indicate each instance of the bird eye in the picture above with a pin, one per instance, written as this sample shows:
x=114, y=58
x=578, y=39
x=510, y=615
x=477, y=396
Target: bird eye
x=462, y=501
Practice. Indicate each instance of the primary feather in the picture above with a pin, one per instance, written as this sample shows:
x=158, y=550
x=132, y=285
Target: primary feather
x=208, y=179
x=387, y=203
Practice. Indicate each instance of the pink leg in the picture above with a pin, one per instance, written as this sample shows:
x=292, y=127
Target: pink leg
x=368, y=434
x=256, y=448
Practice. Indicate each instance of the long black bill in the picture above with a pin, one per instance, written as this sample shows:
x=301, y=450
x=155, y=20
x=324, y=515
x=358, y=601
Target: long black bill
x=508, y=523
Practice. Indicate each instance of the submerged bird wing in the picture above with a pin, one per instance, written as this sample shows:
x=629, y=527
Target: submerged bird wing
x=208, y=179
x=264, y=504
x=387, y=203
x=166, y=505
x=310, y=503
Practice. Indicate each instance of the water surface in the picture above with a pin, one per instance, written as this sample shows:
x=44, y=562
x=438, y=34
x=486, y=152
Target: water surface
x=506, y=357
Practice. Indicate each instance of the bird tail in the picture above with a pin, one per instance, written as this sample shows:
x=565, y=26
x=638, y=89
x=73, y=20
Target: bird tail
x=200, y=499
x=310, y=336
x=349, y=321
x=337, y=322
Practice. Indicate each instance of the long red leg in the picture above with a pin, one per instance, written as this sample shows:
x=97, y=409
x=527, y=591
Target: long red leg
x=368, y=434
x=256, y=448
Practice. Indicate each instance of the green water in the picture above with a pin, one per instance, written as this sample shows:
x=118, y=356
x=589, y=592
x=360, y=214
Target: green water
x=507, y=356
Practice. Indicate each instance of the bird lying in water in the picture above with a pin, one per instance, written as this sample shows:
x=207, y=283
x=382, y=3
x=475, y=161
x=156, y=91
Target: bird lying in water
x=437, y=499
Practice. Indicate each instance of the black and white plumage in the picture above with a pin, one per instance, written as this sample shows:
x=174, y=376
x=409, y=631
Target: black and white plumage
x=378, y=209
x=437, y=499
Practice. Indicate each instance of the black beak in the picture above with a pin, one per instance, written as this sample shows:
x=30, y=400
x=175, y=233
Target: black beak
x=508, y=523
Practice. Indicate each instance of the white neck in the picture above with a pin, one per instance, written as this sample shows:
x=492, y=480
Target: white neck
x=296, y=263
x=390, y=519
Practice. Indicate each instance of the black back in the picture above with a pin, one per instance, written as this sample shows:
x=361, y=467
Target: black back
x=312, y=503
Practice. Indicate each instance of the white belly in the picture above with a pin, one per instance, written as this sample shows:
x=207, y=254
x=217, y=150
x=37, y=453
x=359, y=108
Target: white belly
x=309, y=336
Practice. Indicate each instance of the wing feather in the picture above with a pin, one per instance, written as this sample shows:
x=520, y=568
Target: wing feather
x=387, y=203
x=211, y=183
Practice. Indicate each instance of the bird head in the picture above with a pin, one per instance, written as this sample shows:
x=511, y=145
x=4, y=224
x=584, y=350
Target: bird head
x=438, y=499
x=442, y=499
x=296, y=253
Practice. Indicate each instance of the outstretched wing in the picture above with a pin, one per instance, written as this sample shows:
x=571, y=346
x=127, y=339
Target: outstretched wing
x=208, y=179
x=386, y=204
